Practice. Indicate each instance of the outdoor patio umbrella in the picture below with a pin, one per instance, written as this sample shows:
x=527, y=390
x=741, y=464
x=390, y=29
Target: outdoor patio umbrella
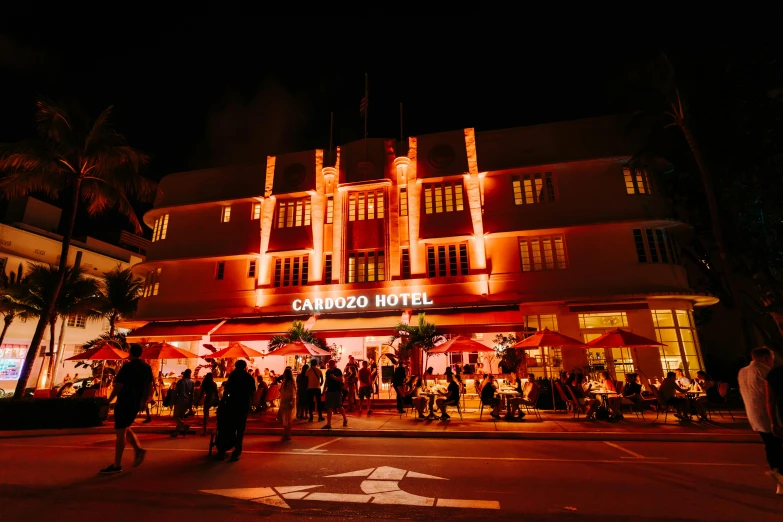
x=546, y=339
x=235, y=351
x=103, y=352
x=619, y=338
x=163, y=351
x=300, y=348
x=460, y=344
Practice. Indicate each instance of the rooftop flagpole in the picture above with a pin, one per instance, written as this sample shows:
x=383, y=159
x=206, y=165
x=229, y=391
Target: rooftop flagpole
x=364, y=106
x=331, y=137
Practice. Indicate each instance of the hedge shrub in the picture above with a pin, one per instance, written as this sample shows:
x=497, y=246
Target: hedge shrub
x=37, y=414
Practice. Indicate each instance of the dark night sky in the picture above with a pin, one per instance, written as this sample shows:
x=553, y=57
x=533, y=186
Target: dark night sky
x=199, y=92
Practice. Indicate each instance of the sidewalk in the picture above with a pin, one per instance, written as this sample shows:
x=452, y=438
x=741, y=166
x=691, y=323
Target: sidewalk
x=384, y=423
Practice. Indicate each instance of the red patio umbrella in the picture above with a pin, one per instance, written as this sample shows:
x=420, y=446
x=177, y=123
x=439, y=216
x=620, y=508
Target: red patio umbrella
x=619, y=338
x=165, y=350
x=300, y=348
x=546, y=337
x=460, y=344
x=235, y=351
x=103, y=352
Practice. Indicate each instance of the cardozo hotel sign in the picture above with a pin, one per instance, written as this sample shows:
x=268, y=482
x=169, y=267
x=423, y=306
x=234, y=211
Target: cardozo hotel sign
x=361, y=302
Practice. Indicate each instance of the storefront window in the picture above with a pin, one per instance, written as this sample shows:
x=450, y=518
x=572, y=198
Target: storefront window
x=11, y=361
x=546, y=361
x=675, y=329
x=619, y=361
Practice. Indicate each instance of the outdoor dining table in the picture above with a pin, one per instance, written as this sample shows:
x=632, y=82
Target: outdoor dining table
x=506, y=395
x=604, y=394
x=692, y=397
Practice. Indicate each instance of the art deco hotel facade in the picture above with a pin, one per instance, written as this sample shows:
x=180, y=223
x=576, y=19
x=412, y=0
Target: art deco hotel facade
x=485, y=232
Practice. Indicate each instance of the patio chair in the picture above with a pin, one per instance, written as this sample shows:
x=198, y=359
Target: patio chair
x=563, y=397
x=532, y=401
x=273, y=395
x=661, y=405
x=723, y=390
x=577, y=407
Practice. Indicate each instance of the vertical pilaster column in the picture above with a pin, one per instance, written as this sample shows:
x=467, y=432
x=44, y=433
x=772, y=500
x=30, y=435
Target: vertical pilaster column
x=338, y=228
x=318, y=205
x=478, y=250
x=416, y=251
x=267, y=215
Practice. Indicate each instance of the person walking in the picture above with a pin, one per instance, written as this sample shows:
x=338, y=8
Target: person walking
x=183, y=401
x=315, y=378
x=302, y=410
x=334, y=394
x=350, y=374
x=774, y=445
x=287, y=398
x=365, y=387
x=209, y=392
x=398, y=381
x=238, y=393
x=753, y=387
x=133, y=389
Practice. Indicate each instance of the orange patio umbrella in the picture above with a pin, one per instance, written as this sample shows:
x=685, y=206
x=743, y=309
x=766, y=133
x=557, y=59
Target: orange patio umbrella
x=235, y=351
x=165, y=350
x=461, y=344
x=300, y=348
x=619, y=338
x=547, y=337
x=103, y=352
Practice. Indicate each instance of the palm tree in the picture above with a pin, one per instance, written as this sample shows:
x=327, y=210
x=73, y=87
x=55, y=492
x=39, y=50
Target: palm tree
x=120, y=296
x=11, y=287
x=79, y=295
x=92, y=164
x=415, y=340
x=117, y=340
x=297, y=332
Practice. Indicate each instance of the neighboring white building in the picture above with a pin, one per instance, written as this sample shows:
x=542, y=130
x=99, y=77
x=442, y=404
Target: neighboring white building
x=29, y=235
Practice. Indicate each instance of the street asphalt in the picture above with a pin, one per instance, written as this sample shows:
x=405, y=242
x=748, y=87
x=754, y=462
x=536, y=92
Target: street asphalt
x=55, y=478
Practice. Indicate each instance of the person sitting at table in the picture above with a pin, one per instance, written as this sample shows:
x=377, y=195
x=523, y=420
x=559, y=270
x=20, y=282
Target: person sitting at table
x=712, y=394
x=479, y=369
x=414, y=397
x=577, y=384
x=669, y=390
x=682, y=380
x=528, y=393
x=614, y=402
x=451, y=397
x=488, y=389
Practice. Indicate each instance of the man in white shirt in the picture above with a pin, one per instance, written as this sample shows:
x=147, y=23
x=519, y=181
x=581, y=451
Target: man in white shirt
x=753, y=387
x=315, y=378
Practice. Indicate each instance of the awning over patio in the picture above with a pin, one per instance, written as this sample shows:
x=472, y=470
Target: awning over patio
x=475, y=321
x=356, y=325
x=174, y=331
x=254, y=329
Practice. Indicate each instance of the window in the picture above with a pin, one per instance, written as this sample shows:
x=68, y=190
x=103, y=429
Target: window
x=256, y=211
x=365, y=205
x=636, y=181
x=225, y=215
x=152, y=282
x=444, y=260
x=293, y=213
x=251, y=269
x=329, y=209
x=536, y=323
x=549, y=360
x=220, y=270
x=675, y=329
x=447, y=197
x=655, y=246
x=328, y=269
x=403, y=201
x=366, y=266
x=405, y=264
x=533, y=188
x=291, y=271
x=542, y=253
x=160, y=227
x=77, y=321
x=607, y=320
x=618, y=360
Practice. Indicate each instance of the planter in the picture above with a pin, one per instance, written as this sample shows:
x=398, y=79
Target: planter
x=37, y=414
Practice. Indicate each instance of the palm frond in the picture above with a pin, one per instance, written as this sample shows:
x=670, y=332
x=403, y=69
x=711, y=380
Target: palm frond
x=54, y=124
x=99, y=196
x=100, y=128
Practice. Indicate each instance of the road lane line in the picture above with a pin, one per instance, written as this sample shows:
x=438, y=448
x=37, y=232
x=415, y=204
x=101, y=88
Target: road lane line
x=475, y=504
x=629, y=452
x=433, y=457
x=324, y=444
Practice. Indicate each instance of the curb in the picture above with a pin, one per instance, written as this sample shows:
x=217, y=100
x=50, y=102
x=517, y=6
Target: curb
x=736, y=438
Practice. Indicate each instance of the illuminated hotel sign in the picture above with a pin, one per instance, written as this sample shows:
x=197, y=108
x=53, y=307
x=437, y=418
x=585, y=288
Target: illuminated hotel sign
x=361, y=302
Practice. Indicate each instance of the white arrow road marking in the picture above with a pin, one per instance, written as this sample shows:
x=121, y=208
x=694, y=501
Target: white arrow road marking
x=381, y=487
x=387, y=473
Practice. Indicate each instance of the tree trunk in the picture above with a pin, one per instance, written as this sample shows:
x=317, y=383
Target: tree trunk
x=55, y=353
x=112, y=320
x=7, y=320
x=43, y=320
x=717, y=231
x=40, y=383
x=60, y=351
